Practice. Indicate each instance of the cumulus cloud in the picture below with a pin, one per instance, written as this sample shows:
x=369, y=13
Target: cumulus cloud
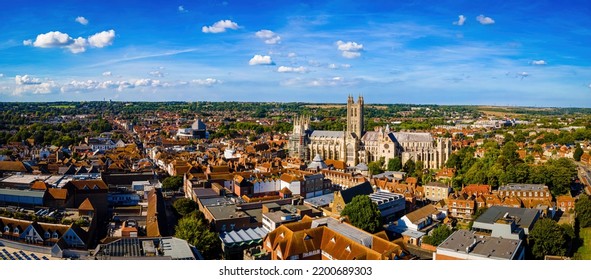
x=484, y=20
x=220, y=26
x=82, y=20
x=460, y=21
x=52, y=39
x=102, y=39
x=56, y=39
x=539, y=62
x=157, y=74
x=270, y=37
x=107, y=73
x=350, y=49
x=261, y=60
x=28, y=84
x=182, y=9
x=78, y=46
x=208, y=82
x=287, y=69
x=26, y=80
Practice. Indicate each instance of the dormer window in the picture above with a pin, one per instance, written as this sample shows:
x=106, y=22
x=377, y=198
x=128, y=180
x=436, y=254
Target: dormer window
x=95, y=187
x=348, y=248
x=47, y=234
x=333, y=240
x=54, y=235
x=86, y=188
x=6, y=229
x=16, y=230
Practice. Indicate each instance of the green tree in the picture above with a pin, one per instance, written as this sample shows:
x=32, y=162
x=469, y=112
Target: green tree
x=196, y=231
x=363, y=214
x=583, y=209
x=438, y=235
x=394, y=164
x=578, y=153
x=172, y=183
x=409, y=167
x=184, y=206
x=548, y=238
x=375, y=167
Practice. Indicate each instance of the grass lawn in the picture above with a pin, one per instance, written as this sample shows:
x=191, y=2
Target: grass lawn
x=584, y=252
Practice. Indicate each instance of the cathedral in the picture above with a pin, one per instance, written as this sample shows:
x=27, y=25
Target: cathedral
x=354, y=145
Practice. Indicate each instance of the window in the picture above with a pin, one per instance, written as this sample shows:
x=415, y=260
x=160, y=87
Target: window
x=16, y=231
x=46, y=234
x=54, y=235
x=6, y=229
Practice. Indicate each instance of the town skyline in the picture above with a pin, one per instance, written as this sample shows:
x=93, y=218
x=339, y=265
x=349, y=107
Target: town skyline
x=455, y=53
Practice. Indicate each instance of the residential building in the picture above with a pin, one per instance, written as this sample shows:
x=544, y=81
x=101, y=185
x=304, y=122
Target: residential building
x=329, y=239
x=466, y=245
x=506, y=222
x=436, y=191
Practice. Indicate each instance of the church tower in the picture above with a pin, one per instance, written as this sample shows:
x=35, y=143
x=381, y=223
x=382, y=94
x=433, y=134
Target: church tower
x=355, y=117
x=298, y=141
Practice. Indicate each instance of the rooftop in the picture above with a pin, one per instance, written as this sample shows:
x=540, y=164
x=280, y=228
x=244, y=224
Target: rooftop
x=488, y=247
x=355, y=234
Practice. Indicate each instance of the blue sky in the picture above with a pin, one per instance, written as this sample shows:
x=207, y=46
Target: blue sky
x=531, y=53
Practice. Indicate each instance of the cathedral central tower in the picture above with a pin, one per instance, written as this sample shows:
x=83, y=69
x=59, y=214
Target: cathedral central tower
x=355, y=117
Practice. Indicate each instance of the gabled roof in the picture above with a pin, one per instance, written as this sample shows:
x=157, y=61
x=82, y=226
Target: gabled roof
x=86, y=205
x=421, y=213
x=89, y=184
x=39, y=185
x=58, y=194
x=15, y=166
x=361, y=189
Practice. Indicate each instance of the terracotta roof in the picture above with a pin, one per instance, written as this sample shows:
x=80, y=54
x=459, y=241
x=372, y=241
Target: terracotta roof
x=421, y=213
x=58, y=193
x=39, y=185
x=16, y=166
x=86, y=205
x=90, y=184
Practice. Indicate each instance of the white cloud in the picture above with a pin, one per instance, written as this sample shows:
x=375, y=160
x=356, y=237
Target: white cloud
x=484, y=20
x=460, y=21
x=270, y=37
x=206, y=82
x=107, y=73
x=26, y=80
x=78, y=46
x=261, y=60
x=220, y=26
x=320, y=82
x=348, y=54
x=182, y=9
x=350, y=49
x=102, y=39
x=522, y=75
x=82, y=20
x=51, y=39
x=56, y=39
x=287, y=69
x=157, y=74
x=337, y=66
x=292, y=54
x=1, y=75
x=28, y=84
x=539, y=62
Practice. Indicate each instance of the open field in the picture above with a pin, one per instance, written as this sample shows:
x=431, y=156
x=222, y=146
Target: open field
x=584, y=252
